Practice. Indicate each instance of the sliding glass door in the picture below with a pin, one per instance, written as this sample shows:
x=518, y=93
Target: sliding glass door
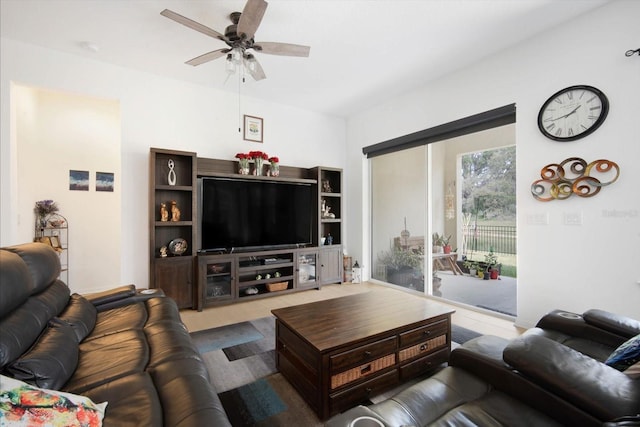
x=398, y=217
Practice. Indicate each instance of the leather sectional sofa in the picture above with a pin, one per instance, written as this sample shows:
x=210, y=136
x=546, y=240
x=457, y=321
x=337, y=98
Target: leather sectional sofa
x=122, y=347
x=551, y=375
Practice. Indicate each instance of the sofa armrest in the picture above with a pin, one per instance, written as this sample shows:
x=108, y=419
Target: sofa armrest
x=483, y=357
x=585, y=382
x=619, y=325
x=110, y=295
x=576, y=325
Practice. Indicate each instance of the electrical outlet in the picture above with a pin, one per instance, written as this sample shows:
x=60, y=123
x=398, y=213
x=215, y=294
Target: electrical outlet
x=538, y=219
x=573, y=218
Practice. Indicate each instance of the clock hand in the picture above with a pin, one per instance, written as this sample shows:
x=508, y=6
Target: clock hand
x=566, y=115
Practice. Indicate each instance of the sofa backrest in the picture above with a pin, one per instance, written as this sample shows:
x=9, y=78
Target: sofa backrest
x=30, y=296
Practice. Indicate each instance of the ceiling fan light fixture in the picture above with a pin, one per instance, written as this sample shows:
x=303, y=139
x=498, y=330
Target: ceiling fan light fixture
x=250, y=63
x=230, y=66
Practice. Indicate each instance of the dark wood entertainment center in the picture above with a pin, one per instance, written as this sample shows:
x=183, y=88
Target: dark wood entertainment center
x=197, y=280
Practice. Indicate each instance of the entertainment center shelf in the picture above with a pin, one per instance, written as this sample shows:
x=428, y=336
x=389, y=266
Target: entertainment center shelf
x=201, y=278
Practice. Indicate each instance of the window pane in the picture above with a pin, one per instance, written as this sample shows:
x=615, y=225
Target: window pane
x=398, y=217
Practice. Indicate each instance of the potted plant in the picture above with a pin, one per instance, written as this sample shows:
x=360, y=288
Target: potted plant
x=436, y=243
x=491, y=260
x=403, y=266
x=471, y=266
x=446, y=247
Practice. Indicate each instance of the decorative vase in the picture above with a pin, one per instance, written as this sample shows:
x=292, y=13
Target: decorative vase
x=257, y=166
x=243, y=167
x=42, y=221
x=274, y=169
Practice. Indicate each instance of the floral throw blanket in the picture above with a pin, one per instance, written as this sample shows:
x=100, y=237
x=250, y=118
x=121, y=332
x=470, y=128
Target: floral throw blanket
x=24, y=405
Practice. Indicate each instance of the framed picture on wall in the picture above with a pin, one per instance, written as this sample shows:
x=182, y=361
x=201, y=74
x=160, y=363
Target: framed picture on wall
x=104, y=181
x=79, y=180
x=253, y=128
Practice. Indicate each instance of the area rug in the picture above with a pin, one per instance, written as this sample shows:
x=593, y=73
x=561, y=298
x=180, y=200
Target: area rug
x=240, y=359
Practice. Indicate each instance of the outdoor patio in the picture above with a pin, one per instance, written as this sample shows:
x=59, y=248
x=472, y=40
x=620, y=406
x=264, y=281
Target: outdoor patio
x=495, y=295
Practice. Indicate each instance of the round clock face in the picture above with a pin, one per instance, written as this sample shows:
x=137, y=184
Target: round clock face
x=573, y=113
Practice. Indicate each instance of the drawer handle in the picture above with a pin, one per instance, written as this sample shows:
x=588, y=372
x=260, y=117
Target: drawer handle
x=368, y=390
x=423, y=347
x=367, y=353
x=366, y=369
x=428, y=363
x=427, y=333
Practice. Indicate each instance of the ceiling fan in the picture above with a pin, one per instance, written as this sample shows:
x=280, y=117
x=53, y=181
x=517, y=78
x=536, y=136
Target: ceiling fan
x=239, y=38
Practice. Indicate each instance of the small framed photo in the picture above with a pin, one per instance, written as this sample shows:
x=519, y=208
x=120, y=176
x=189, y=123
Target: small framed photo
x=79, y=180
x=55, y=242
x=104, y=181
x=253, y=128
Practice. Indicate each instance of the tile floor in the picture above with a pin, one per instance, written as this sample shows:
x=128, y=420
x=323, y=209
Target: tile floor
x=254, y=309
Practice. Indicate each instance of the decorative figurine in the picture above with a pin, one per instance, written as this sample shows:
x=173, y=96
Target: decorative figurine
x=163, y=252
x=326, y=187
x=164, y=213
x=175, y=212
x=171, y=178
x=329, y=239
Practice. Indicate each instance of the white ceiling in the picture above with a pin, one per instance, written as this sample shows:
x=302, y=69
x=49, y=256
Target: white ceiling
x=362, y=51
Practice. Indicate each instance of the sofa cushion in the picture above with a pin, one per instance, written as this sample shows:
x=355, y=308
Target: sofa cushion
x=20, y=328
x=42, y=261
x=109, y=357
x=133, y=401
x=625, y=355
x=80, y=314
x=132, y=316
x=26, y=405
x=51, y=361
x=16, y=282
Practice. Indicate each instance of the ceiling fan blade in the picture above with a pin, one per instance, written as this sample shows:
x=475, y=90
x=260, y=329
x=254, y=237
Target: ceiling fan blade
x=251, y=17
x=210, y=56
x=285, y=49
x=254, y=68
x=192, y=24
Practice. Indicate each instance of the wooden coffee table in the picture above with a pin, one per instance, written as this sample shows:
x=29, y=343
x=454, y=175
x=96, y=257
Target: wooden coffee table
x=339, y=352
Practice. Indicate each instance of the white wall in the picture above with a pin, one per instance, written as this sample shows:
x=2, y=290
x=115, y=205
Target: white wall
x=57, y=132
x=560, y=266
x=155, y=112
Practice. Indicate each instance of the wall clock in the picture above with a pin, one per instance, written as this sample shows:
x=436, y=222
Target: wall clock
x=573, y=113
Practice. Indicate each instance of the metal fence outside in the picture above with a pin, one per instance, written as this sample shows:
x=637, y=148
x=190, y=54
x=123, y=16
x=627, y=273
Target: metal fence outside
x=483, y=238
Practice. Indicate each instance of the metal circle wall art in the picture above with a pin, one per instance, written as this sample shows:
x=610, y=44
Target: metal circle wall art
x=574, y=176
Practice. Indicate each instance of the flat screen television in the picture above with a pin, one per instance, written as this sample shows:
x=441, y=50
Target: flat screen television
x=244, y=214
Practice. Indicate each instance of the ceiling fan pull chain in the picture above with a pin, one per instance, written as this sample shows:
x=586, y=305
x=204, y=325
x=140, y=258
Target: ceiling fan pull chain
x=239, y=99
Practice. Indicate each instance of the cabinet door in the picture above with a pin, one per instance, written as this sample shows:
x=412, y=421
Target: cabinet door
x=331, y=265
x=216, y=280
x=175, y=277
x=307, y=270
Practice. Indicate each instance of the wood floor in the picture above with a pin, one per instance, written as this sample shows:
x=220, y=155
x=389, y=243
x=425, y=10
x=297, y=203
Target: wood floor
x=240, y=312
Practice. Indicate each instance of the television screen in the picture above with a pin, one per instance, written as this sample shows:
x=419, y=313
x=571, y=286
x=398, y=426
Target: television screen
x=243, y=213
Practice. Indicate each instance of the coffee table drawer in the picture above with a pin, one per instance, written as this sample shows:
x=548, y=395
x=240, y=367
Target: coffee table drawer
x=421, y=334
x=370, y=368
x=363, y=354
x=353, y=396
x=422, y=348
x=425, y=364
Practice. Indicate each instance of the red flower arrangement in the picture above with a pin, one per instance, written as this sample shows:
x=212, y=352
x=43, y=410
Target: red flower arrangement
x=243, y=156
x=274, y=159
x=258, y=155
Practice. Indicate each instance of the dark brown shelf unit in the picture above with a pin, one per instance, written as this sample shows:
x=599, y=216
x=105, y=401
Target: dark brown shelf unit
x=173, y=274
